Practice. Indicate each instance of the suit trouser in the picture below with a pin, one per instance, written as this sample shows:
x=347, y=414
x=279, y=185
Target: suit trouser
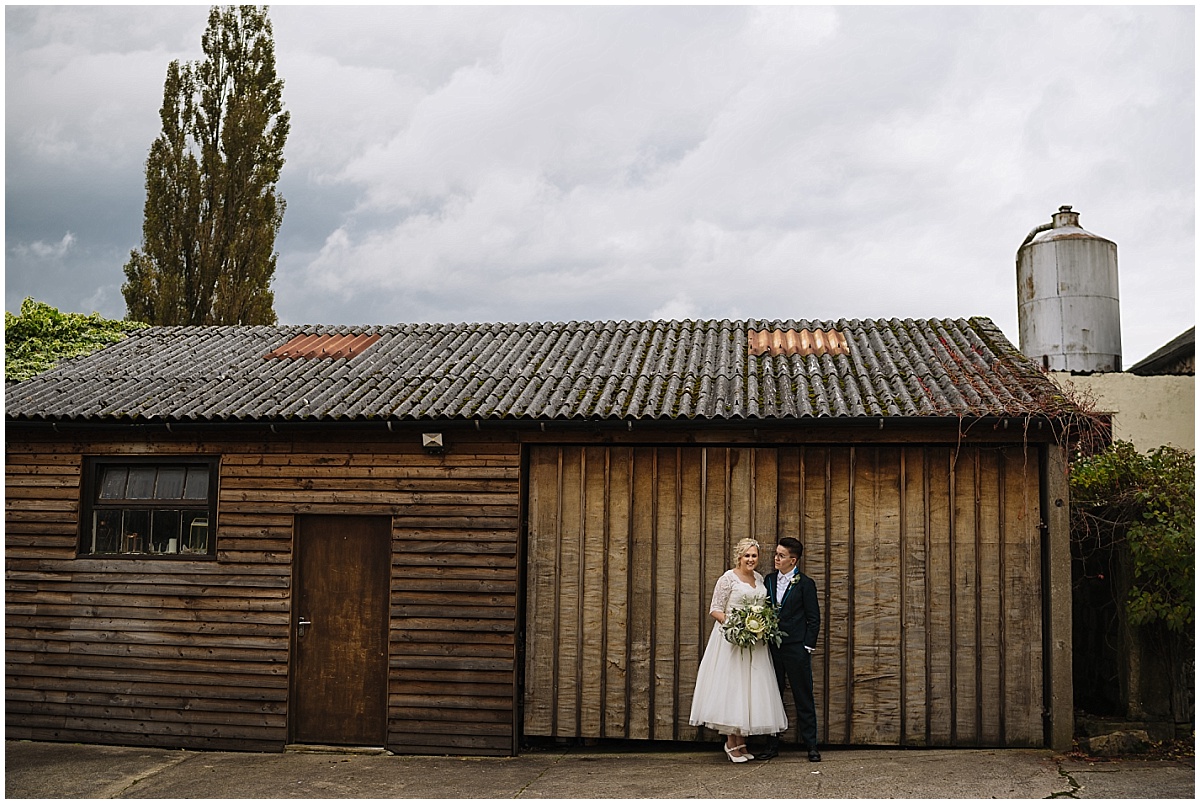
x=793, y=665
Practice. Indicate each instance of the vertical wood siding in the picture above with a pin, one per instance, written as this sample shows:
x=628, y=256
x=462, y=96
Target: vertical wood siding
x=926, y=558
x=196, y=653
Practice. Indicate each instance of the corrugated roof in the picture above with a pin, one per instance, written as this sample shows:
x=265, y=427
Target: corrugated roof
x=1165, y=357
x=602, y=370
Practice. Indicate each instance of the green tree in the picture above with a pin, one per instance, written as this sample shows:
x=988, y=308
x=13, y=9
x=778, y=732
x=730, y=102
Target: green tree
x=40, y=336
x=212, y=206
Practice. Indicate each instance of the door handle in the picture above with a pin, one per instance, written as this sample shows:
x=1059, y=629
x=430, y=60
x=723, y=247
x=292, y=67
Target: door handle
x=302, y=624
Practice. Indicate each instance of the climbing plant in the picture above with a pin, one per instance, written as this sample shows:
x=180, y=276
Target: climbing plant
x=1133, y=542
x=1146, y=502
x=40, y=336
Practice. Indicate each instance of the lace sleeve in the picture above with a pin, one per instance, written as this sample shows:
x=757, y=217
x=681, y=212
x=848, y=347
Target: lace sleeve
x=721, y=593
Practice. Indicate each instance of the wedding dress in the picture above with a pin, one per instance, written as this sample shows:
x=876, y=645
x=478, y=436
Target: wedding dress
x=736, y=691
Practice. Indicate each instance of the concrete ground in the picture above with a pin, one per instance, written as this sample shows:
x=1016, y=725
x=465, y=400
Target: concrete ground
x=68, y=770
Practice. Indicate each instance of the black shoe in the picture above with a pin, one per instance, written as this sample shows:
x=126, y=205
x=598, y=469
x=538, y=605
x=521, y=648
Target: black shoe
x=814, y=755
x=770, y=750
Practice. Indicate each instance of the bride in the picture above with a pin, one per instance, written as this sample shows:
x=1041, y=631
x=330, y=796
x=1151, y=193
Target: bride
x=736, y=691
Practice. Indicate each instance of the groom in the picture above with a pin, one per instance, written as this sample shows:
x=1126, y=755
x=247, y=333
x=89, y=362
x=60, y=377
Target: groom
x=794, y=596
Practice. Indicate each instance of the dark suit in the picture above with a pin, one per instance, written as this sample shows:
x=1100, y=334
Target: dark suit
x=800, y=617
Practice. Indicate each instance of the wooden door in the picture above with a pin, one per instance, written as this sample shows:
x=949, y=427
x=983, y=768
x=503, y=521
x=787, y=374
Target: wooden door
x=339, y=630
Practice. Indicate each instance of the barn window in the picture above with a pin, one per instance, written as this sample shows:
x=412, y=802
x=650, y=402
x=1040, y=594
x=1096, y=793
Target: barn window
x=149, y=509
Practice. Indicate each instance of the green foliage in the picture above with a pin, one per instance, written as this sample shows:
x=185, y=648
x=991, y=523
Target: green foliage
x=1148, y=503
x=212, y=208
x=41, y=336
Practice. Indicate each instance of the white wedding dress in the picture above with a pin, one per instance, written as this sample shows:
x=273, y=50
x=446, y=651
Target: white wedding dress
x=736, y=690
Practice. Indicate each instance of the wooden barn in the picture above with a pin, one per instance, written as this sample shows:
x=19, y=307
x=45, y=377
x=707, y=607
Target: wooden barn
x=453, y=538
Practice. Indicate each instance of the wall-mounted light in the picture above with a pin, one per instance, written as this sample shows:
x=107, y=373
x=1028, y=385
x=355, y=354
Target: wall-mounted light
x=432, y=442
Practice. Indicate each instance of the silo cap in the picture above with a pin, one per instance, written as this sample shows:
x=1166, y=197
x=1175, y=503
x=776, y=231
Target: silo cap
x=1066, y=217
x=1064, y=225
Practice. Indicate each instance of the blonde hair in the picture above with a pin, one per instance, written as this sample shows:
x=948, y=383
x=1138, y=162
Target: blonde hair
x=741, y=547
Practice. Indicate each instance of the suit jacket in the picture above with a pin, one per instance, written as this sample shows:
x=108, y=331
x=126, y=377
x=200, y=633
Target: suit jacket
x=800, y=614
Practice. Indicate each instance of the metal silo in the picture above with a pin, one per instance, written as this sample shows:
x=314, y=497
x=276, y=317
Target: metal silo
x=1067, y=304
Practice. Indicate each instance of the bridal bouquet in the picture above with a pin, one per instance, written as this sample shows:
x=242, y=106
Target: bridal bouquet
x=752, y=623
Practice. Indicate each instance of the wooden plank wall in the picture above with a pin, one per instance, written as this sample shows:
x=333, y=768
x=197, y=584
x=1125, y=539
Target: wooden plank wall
x=195, y=653
x=621, y=543
x=454, y=603
x=926, y=561
x=188, y=654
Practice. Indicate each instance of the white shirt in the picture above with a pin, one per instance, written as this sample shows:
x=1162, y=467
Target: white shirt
x=782, y=582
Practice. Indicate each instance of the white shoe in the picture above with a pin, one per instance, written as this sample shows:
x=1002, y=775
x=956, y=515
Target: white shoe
x=733, y=758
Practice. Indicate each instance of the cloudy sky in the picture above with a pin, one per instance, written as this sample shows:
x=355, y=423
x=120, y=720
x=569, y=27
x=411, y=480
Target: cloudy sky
x=558, y=163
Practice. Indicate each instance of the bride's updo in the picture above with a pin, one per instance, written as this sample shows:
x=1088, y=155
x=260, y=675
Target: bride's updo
x=741, y=547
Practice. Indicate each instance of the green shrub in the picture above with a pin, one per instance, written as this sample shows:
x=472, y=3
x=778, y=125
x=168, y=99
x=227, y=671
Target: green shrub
x=1146, y=503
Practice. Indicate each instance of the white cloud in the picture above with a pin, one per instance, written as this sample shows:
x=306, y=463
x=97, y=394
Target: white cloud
x=475, y=163
x=46, y=251
x=678, y=308
x=84, y=85
x=101, y=299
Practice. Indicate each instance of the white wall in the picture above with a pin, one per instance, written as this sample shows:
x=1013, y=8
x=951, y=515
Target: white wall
x=1149, y=411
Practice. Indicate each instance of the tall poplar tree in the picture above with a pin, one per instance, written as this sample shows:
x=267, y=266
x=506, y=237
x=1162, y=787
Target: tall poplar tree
x=212, y=208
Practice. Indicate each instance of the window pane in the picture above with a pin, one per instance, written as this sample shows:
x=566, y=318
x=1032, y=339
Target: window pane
x=195, y=536
x=106, y=531
x=112, y=483
x=165, y=536
x=170, y=483
x=141, y=483
x=197, y=483
x=135, y=535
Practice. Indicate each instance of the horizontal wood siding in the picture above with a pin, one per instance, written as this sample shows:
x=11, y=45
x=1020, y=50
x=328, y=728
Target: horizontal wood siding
x=452, y=643
x=196, y=653
x=189, y=654
x=925, y=558
x=454, y=607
